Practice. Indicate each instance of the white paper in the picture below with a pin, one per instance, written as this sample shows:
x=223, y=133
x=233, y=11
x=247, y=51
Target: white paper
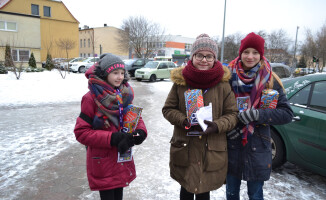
x=204, y=113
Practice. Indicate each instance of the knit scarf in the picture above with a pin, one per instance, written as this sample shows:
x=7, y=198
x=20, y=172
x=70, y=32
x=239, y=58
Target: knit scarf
x=250, y=83
x=203, y=79
x=107, y=99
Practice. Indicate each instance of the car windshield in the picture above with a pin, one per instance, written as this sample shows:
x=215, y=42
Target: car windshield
x=151, y=64
x=128, y=62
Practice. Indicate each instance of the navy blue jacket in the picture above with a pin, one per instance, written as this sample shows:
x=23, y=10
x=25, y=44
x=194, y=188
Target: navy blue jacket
x=253, y=162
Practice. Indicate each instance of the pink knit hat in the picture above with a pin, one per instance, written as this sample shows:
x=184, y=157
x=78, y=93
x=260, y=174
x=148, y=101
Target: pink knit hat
x=252, y=41
x=204, y=43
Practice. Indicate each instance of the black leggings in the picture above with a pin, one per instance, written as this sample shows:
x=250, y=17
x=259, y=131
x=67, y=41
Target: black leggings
x=114, y=194
x=185, y=195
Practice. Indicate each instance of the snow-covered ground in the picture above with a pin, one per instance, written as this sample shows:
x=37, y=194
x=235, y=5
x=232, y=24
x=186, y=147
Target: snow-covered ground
x=37, y=117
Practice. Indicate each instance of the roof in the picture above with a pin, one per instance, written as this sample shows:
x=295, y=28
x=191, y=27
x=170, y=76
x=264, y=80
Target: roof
x=3, y=3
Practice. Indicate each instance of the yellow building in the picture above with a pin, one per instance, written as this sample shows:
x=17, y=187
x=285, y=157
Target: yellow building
x=37, y=26
x=95, y=41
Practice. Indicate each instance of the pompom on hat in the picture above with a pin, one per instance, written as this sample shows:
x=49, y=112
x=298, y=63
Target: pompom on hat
x=204, y=43
x=252, y=40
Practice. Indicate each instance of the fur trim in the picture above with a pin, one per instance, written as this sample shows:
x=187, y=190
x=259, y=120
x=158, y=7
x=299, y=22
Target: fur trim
x=177, y=78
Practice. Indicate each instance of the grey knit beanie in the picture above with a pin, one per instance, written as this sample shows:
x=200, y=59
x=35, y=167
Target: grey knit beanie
x=204, y=43
x=109, y=62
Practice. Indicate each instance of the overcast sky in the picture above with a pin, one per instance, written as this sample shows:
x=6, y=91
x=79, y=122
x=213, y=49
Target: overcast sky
x=190, y=18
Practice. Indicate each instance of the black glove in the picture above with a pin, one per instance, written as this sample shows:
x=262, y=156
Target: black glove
x=139, y=136
x=211, y=128
x=248, y=116
x=185, y=124
x=126, y=142
x=116, y=137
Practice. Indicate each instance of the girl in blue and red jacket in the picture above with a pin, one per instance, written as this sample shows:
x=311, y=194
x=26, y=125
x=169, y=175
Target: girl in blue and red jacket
x=99, y=127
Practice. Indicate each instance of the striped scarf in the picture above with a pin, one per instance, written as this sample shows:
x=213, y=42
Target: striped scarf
x=107, y=100
x=250, y=84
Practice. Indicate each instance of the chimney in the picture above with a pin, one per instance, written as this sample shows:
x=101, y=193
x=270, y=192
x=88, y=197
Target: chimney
x=105, y=25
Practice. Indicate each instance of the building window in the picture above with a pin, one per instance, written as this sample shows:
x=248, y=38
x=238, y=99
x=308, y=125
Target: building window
x=84, y=42
x=89, y=55
x=89, y=42
x=81, y=43
x=8, y=26
x=47, y=11
x=35, y=9
x=20, y=55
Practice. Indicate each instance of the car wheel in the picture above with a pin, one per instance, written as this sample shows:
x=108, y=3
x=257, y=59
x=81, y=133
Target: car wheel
x=162, y=79
x=138, y=79
x=81, y=69
x=278, y=150
x=152, y=78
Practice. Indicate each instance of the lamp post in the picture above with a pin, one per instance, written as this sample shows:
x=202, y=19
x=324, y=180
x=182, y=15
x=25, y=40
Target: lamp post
x=222, y=50
x=295, y=49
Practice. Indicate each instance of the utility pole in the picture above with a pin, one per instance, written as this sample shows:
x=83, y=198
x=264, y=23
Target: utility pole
x=295, y=49
x=222, y=50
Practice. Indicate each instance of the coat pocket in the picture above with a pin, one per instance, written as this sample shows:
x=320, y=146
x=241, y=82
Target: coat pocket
x=102, y=167
x=216, y=157
x=179, y=153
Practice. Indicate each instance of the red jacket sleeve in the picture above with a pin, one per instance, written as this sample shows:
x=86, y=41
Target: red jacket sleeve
x=84, y=132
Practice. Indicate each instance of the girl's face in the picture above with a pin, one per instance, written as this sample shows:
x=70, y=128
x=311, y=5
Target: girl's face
x=203, y=60
x=116, y=77
x=250, y=57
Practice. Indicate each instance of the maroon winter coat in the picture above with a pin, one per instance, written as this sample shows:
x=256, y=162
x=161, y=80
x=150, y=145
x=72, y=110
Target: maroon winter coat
x=103, y=171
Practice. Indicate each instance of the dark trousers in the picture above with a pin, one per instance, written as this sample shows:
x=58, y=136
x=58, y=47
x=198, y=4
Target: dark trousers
x=114, y=194
x=185, y=195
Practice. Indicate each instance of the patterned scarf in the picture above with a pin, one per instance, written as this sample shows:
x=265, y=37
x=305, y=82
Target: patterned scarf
x=107, y=100
x=203, y=79
x=250, y=83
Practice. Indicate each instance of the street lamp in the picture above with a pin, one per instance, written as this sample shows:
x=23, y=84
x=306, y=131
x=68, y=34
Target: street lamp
x=295, y=49
x=222, y=50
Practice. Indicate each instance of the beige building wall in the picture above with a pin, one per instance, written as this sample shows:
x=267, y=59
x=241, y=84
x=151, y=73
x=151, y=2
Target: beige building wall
x=60, y=25
x=102, y=37
x=26, y=37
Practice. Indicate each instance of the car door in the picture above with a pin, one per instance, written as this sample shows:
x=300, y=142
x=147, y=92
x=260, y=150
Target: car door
x=163, y=70
x=308, y=135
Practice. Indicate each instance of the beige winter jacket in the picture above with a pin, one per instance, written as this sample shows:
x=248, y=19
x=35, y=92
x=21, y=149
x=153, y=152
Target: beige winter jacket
x=199, y=164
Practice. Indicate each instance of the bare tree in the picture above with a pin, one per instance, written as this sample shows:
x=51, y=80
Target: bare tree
x=140, y=36
x=321, y=46
x=65, y=44
x=309, y=48
x=231, y=46
x=277, y=46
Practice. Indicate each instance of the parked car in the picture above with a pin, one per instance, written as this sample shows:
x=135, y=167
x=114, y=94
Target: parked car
x=155, y=70
x=83, y=65
x=64, y=64
x=282, y=70
x=303, y=71
x=133, y=64
x=303, y=142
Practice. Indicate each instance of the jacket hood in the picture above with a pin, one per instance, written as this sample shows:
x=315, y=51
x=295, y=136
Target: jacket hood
x=177, y=78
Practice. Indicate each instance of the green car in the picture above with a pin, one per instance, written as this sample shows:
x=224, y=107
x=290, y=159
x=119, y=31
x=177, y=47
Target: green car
x=303, y=142
x=154, y=70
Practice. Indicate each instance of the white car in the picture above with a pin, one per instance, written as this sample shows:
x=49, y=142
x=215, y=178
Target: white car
x=69, y=62
x=83, y=65
x=155, y=70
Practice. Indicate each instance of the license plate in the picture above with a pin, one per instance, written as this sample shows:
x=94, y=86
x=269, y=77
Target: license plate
x=138, y=76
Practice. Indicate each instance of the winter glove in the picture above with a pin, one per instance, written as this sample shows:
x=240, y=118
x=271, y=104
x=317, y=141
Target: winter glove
x=126, y=142
x=248, y=116
x=186, y=124
x=139, y=136
x=211, y=128
x=116, y=137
